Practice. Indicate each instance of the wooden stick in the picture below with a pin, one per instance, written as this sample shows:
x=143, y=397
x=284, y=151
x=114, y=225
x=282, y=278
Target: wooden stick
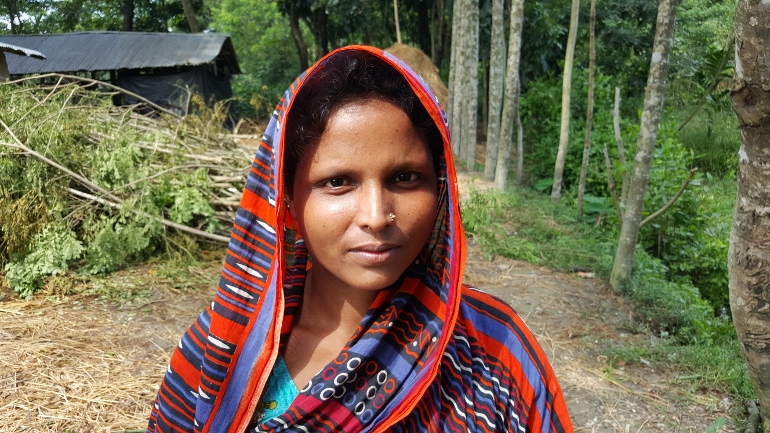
x=670, y=202
x=79, y=178
x=180, y=227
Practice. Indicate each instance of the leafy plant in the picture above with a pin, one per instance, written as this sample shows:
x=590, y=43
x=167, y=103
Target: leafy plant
x=52, y=248
x=96, y=181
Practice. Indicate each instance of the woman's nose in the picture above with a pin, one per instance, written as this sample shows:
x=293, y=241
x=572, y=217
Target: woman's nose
x=373, y=208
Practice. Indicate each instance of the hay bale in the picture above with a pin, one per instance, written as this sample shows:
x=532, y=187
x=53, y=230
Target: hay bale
x=423, y=65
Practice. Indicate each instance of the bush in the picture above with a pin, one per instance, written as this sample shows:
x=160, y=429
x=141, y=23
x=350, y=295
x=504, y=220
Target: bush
x=137, y=170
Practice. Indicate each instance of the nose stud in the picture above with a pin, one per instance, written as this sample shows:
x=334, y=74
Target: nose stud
x=392, y=216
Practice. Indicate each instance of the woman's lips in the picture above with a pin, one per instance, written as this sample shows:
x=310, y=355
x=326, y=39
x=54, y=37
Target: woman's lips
x=374, y=254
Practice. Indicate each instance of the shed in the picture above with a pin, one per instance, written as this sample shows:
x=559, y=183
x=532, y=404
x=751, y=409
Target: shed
x=13, y=49
x=157, y=66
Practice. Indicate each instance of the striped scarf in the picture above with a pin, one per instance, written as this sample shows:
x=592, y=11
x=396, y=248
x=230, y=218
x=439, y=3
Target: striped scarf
x=429, y=355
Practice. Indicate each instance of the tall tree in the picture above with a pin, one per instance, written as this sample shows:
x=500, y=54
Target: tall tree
x=128, y=15
x=749, y=254
x=296, y=35
x=510, y=101
x=189, y=13
x=589, y=109
x=471, y=86
x=645, y=144
x=496, y=75
x=566, y=91
x=395, y=16
x=456, y=73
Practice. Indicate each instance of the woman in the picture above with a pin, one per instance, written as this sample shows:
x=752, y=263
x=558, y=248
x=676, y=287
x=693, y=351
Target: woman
x=340, y=306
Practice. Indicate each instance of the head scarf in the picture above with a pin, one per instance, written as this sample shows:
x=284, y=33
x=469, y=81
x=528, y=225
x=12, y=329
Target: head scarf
x=411, y=365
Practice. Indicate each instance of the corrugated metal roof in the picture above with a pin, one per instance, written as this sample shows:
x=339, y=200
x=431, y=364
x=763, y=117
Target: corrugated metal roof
x=7, y=48
x=107, y=51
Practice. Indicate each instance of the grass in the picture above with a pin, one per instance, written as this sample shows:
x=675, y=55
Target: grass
x=714, y=137
x=525, y=225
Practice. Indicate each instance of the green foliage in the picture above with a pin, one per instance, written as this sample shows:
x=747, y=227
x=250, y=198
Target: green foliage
x=52, y=248
x=45, y=230
x=262, y=39
x=718, y=367
x=541, y=116
x=528, y=226
x=714, y=137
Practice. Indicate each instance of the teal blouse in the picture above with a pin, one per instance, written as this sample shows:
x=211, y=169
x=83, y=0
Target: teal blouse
x=278, y=395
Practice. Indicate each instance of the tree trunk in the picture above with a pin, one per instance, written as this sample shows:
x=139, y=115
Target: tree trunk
x=566, y=90
x=128, y=15
x=496, y=75
x=456, y=76
x=621, y=150
x=395, y=16
x=749, y=256
x=645, y=144
x=471, y=94
x=510, y=102
x=296, y=34
x=189, y=13
x=589, y=111
x=519, y=137
x=423, y=35
x=484, y=95
x=437, y=32
x=321, y=31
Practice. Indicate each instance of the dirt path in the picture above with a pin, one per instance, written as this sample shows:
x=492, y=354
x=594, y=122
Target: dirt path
x=84, y=362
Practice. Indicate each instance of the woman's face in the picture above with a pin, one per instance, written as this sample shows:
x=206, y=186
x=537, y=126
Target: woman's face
x=369, y=163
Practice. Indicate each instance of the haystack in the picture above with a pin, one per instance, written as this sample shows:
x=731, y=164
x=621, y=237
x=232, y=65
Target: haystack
x=423, y=65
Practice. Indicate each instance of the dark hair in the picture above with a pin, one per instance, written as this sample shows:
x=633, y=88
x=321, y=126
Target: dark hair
x=345, y=77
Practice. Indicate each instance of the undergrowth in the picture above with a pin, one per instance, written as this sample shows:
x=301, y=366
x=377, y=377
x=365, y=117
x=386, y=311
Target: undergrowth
x=525, y=225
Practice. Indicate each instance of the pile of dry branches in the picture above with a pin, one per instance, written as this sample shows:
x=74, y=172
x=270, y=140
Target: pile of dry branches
x=96, y=172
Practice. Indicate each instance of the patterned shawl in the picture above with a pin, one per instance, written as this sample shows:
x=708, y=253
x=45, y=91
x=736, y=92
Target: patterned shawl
x=429, y=355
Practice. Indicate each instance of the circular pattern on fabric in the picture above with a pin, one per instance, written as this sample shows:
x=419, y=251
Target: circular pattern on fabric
x=382, y=376
x=359, y=408
x=306, y=387
x=342, y=358
x=317, y=388
x=390, y=386
x=329, y=373
x=371, y=368
x=361, y=383
x=349, y=399
x=326, y=394
x=371, y=392
x=367, y=416
x=340, y=379
x=355, y=363
x=379, y=401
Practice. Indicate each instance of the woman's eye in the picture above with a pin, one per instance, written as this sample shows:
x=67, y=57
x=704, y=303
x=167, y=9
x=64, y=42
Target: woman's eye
x=406, y=177
x=336, y=182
